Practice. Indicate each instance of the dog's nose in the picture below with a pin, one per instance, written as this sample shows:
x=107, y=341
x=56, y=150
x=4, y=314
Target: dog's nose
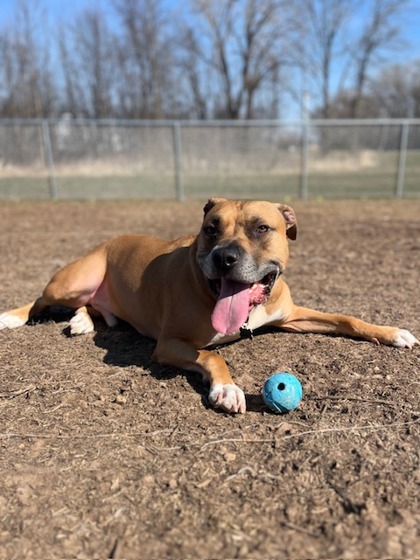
x=225, y=258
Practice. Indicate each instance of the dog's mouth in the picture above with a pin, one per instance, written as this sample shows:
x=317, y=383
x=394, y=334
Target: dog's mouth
x=235, y=300
x=258, y=291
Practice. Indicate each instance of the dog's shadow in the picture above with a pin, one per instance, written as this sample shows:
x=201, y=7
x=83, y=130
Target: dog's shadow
x=125, y=347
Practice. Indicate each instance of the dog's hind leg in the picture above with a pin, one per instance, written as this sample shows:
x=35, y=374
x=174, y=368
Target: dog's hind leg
x=16, y=317
x=73, y=286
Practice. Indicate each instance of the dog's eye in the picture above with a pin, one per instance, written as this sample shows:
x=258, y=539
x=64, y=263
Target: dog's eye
x=263, y=228
x=210, y=231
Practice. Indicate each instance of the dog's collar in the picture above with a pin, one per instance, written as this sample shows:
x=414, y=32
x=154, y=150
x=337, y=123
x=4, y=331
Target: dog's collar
x=245, y=331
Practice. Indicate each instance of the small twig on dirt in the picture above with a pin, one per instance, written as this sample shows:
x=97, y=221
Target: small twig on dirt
x=55, y=408
x=155, y=450
x=292, y=422
x=242, y=471
x=176, y=428
x=18, y=392
x=121, y=435
x=348, y=504
x=413, y=383
x=356, y=399
x=352, y=429
x=116, y=435
x=299, y=529
x=116, y=549
x=158, y=432
x=234, y=440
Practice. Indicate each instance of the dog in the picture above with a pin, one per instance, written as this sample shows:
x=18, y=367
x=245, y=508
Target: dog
x=198, y=291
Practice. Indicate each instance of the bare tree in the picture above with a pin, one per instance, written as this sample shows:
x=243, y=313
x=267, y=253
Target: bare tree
x=332, y=45
x=380, y=33
x=72, y=96
x=26, y=77
x=223, y=58
x=242, y=44
x=194, y=73
x=94, y=64
x=320, y=44
x=396, y=91
x=415, y=92
x=146, y=57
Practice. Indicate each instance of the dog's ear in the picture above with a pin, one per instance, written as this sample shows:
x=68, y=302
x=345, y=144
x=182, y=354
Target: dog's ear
x=212, y=202
x=290, y=219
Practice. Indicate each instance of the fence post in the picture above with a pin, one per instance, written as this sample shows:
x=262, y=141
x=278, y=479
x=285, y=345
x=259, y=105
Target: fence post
x=179, y=184
x=49, y=160
x=304, y=160
x=402, y=159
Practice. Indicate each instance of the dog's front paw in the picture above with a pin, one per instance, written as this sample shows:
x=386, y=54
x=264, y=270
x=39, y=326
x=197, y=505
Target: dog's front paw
x=404, y=339
x=229, y=397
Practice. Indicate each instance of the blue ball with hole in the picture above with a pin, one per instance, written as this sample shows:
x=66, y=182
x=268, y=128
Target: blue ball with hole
x=282, y=392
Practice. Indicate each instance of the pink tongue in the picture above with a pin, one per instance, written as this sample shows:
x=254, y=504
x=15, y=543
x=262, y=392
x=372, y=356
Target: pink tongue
x=232, y=307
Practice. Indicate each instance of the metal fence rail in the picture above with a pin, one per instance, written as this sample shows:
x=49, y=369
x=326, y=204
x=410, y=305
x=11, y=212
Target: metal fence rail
x=78, y=158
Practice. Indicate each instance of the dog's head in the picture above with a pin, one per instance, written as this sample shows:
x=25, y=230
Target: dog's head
x=242, y=250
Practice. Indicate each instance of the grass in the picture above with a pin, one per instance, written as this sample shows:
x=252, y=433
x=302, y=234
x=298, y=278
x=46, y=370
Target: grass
x=114, y=187
x=337, y=182
x=327, y=185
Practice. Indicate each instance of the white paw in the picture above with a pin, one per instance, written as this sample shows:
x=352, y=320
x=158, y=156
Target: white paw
x=404, y=339
x=229, y=397
x=81, y=323
x=9, y=321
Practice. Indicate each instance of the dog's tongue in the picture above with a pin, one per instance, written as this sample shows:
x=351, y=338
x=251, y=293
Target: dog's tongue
x=232, y=307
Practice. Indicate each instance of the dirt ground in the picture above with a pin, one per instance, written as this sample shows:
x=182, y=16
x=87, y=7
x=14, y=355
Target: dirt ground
x=107, y=455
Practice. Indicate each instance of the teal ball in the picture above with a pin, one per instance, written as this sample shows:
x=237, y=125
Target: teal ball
x=282, y=392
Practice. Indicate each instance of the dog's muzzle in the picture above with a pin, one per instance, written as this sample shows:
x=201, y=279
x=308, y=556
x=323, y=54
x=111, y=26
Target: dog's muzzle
x=238, y=283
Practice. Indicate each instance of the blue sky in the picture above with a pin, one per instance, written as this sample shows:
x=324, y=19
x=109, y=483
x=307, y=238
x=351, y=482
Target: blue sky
x=60, y=9
x=63, y=11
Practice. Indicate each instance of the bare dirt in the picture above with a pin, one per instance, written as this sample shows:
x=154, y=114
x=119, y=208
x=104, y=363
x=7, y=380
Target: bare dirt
x=107, y=455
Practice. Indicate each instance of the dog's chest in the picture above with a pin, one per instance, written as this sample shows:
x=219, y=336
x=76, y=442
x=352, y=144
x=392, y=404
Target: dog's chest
x=257, y=318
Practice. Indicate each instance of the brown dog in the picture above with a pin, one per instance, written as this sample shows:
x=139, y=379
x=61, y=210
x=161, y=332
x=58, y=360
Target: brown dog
x=194, y=292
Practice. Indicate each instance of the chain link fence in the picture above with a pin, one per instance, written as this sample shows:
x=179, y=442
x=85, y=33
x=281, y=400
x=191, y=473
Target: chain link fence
x=88, y=159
